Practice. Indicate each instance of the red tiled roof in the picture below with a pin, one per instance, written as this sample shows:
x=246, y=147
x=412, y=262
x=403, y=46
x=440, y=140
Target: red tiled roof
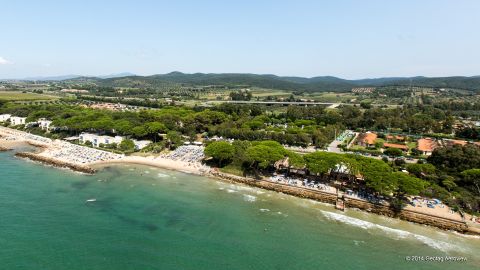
x=426, y=145
x=395, y=145
x=368, y=138
x=459, y=142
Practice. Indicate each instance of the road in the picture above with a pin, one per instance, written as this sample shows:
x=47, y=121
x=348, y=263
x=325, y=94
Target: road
x=306, y=103
x=333, y=147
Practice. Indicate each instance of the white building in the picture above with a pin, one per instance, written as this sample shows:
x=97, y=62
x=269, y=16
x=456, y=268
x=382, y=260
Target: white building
x=4, y=117
x=96, y=140
x=44, y=123
x=141, y=144
x=17, y=120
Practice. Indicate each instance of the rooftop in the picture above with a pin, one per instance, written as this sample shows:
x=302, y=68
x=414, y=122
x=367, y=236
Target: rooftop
x=426, y=144
x=395, y=145
x=368, y=138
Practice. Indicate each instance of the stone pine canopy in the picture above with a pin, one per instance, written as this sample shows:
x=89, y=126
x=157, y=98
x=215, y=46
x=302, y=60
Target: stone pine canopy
x=285, y=164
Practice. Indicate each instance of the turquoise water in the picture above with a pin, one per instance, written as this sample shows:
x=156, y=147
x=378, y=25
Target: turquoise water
x=148, y=218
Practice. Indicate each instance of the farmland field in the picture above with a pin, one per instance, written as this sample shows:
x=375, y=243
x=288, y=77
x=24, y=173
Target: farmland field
x=19, y=96
x=330, y=97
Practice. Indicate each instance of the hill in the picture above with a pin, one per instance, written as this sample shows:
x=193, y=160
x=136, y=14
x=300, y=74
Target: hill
x=314, y=84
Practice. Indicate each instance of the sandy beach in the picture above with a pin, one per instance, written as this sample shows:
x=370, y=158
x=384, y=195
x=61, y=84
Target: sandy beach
x=185, y=159
x=10, y=144
x=164, y=163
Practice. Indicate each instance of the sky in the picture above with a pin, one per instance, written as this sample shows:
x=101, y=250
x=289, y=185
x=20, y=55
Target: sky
x=347, y=39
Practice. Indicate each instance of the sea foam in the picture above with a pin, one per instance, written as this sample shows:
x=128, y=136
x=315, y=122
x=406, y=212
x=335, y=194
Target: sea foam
x=249, y=198
x=395, y=233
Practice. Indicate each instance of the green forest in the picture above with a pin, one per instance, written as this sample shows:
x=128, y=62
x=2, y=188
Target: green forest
x=321, y=83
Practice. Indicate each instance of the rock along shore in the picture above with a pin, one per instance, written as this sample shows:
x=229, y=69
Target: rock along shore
x=330, y=198
x=56, y=163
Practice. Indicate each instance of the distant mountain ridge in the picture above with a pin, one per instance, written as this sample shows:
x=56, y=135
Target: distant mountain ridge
x=72, y=76
x=289, y=83
x=117, y=75
x=320, y=83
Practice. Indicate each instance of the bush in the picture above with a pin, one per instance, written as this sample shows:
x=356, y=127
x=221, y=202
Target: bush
x=393, y=152
x=127, y=145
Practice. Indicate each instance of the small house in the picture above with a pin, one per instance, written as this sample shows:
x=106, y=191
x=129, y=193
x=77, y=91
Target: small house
x=16, y=121
x=4, y=117
x=367, y=139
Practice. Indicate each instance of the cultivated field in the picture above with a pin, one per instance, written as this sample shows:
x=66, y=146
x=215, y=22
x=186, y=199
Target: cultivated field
x=19, y=96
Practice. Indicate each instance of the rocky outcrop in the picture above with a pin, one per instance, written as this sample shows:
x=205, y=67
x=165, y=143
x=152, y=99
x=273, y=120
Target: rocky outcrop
x=56, y=163
x=37, y=144
x=3, y=149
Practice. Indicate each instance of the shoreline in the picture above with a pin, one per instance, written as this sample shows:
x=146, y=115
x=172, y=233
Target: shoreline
x=4, y=149
x=56, y=163
x=443, y=223
x=48, y=151
x=158, y=162
x=420, y=218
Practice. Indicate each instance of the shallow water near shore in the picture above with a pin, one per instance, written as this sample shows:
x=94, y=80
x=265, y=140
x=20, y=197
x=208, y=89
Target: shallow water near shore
x=139, y=217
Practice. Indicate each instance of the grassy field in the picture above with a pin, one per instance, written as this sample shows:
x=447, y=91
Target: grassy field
x=19, y=96
x=411, y=145
x=232, y=169
x=330, y=97
x=263, y=92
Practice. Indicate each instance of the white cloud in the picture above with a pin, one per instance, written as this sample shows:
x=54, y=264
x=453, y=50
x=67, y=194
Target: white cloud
x=4, y=61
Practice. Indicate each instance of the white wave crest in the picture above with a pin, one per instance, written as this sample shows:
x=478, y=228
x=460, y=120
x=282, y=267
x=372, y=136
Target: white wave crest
x=264, y=210
x=395, y=233
x=249, y=198
x=243, y=188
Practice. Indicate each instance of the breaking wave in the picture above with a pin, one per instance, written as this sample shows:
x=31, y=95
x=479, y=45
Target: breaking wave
x=249, y=198
x=395, y=233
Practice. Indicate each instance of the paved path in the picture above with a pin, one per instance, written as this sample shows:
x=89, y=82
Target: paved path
x=333, y=147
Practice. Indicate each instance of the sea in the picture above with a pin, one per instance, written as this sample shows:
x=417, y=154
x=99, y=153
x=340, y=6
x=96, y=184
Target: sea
x=140, y=217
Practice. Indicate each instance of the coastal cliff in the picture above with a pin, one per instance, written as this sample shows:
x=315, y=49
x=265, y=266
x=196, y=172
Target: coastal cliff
x=55, y=162
x=408, y=215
